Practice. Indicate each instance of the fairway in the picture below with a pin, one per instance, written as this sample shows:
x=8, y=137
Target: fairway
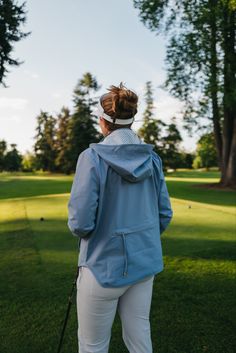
x=193, y=306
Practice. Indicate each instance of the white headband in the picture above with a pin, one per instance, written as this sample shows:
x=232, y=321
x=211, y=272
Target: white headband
x=99, y=112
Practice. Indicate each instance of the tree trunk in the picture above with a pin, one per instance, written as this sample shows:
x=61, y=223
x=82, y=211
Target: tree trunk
x=214, y=83
x=228, y=177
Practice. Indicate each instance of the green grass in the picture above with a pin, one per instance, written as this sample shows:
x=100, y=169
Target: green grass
x=193, y=306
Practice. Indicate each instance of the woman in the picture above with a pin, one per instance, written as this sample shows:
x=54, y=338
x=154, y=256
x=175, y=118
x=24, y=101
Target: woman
x=119, y=206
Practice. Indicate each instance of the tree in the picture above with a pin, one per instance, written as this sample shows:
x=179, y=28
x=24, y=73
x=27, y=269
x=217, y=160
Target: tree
x=13, y=159
x=171, y=154
x=45, y=150
x=148, y=96
x=28, y=162
x=63, y=146
x=3, y=149
x=12, y=16
x=60, y=140
x=152, y=128
x=82, y=125
x=186, y=159
x=201, y=64
x=206, y=155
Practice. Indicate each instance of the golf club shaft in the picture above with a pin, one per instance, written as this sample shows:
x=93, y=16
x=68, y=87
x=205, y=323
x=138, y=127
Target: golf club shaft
x=67, y=312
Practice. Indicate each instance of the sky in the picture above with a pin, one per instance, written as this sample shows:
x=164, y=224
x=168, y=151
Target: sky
x=69, y=38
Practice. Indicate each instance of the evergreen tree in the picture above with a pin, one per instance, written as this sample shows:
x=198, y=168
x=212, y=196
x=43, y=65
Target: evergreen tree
x=59, y=141
x=45, y=150
x=12, y=16
x=152, y=128
x=148, y=96
x=13, y=159
x=3, y=149
x=172, y=156
x=83, y=126
x=63, y=146
x=201, y=66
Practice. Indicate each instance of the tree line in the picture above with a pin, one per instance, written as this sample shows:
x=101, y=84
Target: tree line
x=60, y=139
x=200, y=63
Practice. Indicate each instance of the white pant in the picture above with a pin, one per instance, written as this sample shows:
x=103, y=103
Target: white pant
x=96, y=309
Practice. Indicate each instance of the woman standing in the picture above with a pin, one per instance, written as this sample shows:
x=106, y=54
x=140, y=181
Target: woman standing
x=119, y=206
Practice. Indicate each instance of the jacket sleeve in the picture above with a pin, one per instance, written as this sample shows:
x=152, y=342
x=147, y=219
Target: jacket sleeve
x=165, y=209
x=83, y=200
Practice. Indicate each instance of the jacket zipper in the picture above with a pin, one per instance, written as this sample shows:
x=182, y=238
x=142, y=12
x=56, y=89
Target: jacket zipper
x=125, y=272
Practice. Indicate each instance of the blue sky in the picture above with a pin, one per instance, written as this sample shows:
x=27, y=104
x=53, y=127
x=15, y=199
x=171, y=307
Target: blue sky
x=69, y=38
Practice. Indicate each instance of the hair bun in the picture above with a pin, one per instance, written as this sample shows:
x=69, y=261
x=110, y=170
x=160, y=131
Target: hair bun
x=123, y=101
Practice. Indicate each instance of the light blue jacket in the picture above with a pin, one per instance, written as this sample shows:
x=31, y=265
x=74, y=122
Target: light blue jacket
x=119, y=206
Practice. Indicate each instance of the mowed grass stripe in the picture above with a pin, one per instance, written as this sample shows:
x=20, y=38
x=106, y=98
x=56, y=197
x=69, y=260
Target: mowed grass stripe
x=34, y=291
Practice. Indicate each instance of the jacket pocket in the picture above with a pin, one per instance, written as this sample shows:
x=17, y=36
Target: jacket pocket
x=135, y=240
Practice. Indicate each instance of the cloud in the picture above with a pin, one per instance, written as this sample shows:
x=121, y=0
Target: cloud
x=11, y=118
x=167, y=107
x=13, y=103
x=30, y=74
x=56, y=95
x=34, y=75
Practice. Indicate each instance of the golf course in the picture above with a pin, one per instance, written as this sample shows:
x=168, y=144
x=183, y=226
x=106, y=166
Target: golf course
x=193, y=305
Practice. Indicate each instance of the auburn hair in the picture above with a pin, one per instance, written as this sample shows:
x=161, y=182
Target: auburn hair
x=119, y=103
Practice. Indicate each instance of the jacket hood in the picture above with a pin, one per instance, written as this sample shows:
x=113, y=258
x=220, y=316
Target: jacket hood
x=133, y=162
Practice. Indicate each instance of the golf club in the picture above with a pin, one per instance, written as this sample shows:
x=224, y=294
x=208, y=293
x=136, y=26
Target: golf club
x=68, y=311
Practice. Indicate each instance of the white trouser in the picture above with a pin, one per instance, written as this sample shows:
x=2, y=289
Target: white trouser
x=96, y=309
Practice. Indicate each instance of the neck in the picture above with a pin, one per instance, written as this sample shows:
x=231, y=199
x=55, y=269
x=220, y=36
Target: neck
x=109, y=132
